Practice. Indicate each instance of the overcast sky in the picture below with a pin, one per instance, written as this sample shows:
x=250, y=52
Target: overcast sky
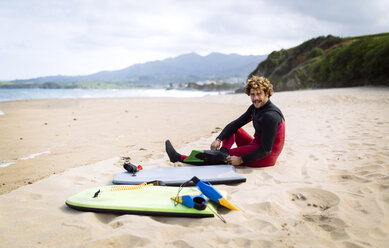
x=79, y=37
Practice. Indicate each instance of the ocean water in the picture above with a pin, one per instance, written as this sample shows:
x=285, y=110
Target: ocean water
x=25, y=94
x=6, y=163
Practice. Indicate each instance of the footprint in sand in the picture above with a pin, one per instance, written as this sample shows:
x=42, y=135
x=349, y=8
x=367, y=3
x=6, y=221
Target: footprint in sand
x=117, y=240
x=311, y=156
x=315, y=204
x=317, y=198
x=335, y=226
x=349, y=178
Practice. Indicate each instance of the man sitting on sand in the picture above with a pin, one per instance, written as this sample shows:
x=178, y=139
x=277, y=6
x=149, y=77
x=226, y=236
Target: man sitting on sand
x=269, y=124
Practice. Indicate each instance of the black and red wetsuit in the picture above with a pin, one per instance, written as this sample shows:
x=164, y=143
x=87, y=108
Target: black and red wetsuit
x=264, y=149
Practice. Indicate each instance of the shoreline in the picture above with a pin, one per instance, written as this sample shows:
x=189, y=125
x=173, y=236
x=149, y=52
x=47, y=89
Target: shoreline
x=22, y=94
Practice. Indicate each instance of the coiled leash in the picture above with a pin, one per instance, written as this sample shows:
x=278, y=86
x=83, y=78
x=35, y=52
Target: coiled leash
x=121, y=187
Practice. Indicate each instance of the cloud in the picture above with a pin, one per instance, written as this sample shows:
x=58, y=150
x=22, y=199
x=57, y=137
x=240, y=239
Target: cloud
x=349, y=17
x=50, y=37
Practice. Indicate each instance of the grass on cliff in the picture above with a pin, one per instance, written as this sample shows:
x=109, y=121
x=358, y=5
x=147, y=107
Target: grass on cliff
x=329, y=61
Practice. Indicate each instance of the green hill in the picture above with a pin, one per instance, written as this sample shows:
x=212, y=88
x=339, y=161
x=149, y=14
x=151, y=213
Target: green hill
x=326, y=62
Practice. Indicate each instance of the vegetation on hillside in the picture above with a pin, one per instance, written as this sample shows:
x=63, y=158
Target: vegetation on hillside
x=330, y=61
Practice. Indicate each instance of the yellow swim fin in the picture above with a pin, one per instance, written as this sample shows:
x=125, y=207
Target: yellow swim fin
x=225, y=203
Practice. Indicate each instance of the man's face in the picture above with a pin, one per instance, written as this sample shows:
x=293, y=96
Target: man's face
x=258, y=97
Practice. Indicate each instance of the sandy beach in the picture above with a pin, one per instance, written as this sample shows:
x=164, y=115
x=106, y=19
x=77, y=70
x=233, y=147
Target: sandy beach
x=329, y=188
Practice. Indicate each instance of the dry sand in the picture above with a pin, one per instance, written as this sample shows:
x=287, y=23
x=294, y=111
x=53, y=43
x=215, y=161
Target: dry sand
x=330, y=187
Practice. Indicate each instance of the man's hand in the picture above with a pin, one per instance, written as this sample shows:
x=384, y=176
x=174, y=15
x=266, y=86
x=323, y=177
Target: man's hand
x=215, y=145
x=234, y=160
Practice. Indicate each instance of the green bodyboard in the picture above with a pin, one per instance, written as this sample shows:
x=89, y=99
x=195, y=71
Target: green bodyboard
x=192, y=157
x=135, y=199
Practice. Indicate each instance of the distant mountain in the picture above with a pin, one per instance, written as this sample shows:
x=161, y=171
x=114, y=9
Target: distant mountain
x=326, y=62
x=181, y=69
x=185, y=68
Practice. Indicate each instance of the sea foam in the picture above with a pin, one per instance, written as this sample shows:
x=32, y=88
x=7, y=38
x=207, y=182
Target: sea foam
x=26, y=94
x=6, y=163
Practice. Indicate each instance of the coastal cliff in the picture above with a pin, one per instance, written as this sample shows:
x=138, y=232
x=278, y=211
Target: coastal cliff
x=328, y=62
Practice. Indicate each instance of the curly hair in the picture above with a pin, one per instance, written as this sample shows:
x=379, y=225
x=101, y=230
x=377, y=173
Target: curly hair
x=262, y=83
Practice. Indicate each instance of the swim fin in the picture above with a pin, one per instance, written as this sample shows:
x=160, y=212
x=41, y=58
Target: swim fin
x=206, y=157
x=209, y=191
x=193, y=201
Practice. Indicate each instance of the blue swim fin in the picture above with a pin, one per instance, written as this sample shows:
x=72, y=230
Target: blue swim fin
x=193, y=201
